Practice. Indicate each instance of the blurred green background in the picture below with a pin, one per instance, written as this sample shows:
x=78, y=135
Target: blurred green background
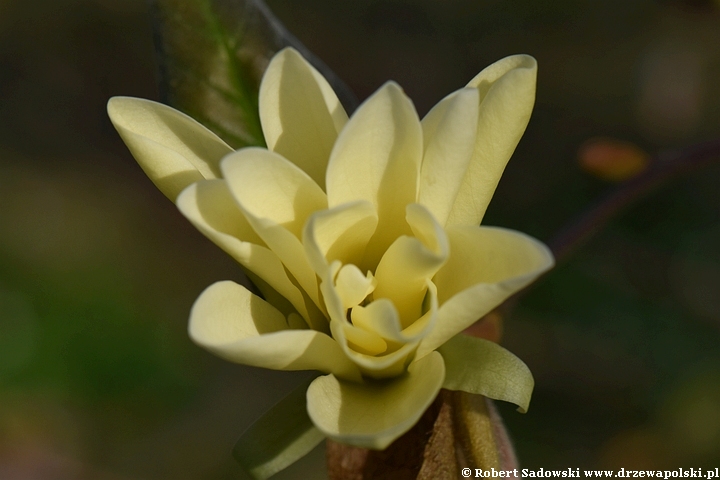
x=98, y=270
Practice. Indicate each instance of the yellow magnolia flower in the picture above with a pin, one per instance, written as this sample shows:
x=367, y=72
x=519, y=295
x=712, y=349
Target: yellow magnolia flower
x=363, y=236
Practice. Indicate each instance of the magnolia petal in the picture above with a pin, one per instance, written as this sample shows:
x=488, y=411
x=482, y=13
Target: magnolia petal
x=339, y=234
x=382, y=318
x=363, y=341
x=277, y=198
x=333, y=302
x=210, y=203
x=279, y=438
x=296, y=322
x=479, y=366
x=486, y=266
x=385, y=365
x=409, y=263
x=489, y=255
x=274, y=298
x=290, y=251
x=377, y=158
x=352, y=286
x=401, y=276
x=420, y=327
x=173, y=149
x=211, y=208
x=374, y=414
x=268, y=186
x=300, y=114
x=449, y=132
x=401, y=344
x=241, y=327
x=507, y=95
x=427, y=229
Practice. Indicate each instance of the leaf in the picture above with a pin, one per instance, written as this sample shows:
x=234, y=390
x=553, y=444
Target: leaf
x=212, y=54
x=479, y=366
x=279, y=438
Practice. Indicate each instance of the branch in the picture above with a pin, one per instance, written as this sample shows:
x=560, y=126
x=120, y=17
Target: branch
x=663, y=168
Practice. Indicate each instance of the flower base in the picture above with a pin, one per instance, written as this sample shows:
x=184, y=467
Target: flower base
x=459, y=430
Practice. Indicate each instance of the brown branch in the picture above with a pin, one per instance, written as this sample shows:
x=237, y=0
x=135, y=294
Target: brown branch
x=459, y=430
x=663, y=168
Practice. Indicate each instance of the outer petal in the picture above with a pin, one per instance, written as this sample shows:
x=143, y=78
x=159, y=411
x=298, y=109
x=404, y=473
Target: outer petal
x=373, y=414
x=212, y=209
x=300, y=114
x=290, y=251
x=241, y=327
x=268, y=186
x=377, y=158
x=209, y=204
x=496, y=373
x=449, y=132
x=507, y=95
x=485, y=267
x=173, y=149
x=276, y=198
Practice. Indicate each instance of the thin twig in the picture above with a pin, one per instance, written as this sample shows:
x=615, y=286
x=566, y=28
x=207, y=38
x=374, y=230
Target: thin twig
x=663, y=167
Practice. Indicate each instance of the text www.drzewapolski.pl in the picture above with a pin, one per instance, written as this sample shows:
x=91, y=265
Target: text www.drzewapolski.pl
x=707, y=474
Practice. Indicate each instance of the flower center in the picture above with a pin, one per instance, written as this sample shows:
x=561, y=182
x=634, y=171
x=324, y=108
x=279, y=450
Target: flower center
x=353, y=287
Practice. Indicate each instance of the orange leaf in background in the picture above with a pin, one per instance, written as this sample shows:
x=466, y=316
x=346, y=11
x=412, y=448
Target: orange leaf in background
x=611, y=159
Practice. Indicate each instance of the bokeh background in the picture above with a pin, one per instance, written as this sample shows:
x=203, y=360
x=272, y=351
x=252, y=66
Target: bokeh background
x=98, y=270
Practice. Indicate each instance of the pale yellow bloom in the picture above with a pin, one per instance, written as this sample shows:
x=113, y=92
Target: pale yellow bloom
x=362, y=234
